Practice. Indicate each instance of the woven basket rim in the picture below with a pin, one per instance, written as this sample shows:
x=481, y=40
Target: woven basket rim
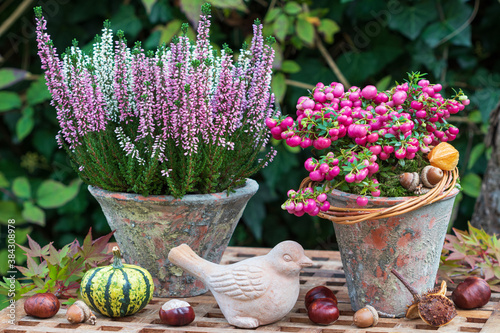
x=373, y=201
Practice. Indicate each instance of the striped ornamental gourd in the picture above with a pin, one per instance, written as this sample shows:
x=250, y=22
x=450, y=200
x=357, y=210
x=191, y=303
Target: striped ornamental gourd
x=117, y=290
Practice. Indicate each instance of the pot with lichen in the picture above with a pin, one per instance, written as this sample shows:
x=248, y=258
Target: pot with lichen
x=148, y=227
x=410, y=243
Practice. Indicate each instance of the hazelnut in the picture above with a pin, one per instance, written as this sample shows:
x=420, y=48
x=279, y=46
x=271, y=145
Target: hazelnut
x=176, y=313
x=43, y=305
x=431, y=175
x=366, y=317
x=409, y=180
x=79, y=312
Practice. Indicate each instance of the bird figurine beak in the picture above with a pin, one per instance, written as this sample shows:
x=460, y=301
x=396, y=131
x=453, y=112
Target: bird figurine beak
x=305, y=262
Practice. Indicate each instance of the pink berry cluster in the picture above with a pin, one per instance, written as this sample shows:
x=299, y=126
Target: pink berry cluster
x=306, y=201
x=355, y=130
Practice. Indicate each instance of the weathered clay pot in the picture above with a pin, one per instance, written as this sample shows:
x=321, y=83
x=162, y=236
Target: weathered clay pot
x=148, y=227
x=411, y=243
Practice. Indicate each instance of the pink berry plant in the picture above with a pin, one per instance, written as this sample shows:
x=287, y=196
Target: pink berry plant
x=181, y=119
x=362, y=139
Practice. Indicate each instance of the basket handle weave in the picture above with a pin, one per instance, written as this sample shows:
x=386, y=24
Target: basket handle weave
x=359, y=214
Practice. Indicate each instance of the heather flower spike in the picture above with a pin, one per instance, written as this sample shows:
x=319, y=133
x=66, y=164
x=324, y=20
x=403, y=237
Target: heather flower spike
x=175, y=120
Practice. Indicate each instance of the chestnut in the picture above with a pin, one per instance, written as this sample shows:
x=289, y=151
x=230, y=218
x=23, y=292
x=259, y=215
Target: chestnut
x=43, y=305
x=471, y=293
x=323, y=311
x=319, y=292
x=176, y=313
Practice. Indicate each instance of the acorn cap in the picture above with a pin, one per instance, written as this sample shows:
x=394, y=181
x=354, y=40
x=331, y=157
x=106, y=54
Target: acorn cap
x=431, y=176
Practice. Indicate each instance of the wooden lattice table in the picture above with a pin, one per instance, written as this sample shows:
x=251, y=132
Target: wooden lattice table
x=327, y=270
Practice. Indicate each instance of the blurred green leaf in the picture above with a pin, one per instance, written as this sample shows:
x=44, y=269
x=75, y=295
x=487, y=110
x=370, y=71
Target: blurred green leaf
x=11, y=76
x=170, y=30
x=126, y=20
x=328, y=28
x=280, y=27
x=148, y=5
x=25, y=124
x=290, y=66
x=10, y=210
x=232, y=4
x=192, y=9
x=475, y=116
x=38, y=91
x=9, y=101
x=53, y=194
x=21, y=187
x=161, y=12
x=292, y=8
x=4, y=263
x=475, y=154
x=33, y=214
x=305, y=31
x=4, y=182
x=278, y=86
x=384, y=83
x=471, y=185
x=411, y=20
x=272, y=15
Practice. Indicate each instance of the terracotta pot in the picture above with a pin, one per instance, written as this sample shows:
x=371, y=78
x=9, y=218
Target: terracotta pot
x=148, y=227
x=411, y=243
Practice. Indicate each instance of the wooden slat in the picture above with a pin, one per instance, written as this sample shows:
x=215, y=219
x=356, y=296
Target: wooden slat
x=327, y=270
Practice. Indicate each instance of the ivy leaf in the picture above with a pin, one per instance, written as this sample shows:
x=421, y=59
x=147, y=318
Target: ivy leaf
x=412, y=19
x=272, y=15
x=25, y=124
x=38, y=92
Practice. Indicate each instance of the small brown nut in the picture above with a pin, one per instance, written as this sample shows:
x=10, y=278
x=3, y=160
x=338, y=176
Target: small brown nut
x=430, y=176
x=366, y=317
x=43, y=305
x=176, y=313
x=79, y=312
x=409, y=180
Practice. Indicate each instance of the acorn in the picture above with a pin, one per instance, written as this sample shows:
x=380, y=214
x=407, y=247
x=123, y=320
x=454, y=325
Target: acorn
x=366, y=317
x=431, y=176
x=433, y=307
x=79, y=312
x=409, y=180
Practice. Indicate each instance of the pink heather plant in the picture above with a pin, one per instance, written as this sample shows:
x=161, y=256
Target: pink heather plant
x=181, y=119
x=363, y=139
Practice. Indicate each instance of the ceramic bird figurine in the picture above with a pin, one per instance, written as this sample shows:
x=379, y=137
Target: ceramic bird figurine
x=255, y=291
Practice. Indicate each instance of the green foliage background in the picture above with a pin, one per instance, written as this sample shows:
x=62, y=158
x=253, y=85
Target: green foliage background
x=372, y=42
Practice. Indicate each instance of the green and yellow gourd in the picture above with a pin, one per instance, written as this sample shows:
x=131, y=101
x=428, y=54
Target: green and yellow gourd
x=117, y=290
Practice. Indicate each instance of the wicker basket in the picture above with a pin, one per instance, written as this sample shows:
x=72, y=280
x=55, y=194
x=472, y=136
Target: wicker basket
x=359, y=214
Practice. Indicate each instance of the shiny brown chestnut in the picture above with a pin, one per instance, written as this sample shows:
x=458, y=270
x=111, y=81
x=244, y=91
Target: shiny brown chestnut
x=176, y=313
x=323, y=311
x=43, y=305
x=319, y=292
x=471, y=293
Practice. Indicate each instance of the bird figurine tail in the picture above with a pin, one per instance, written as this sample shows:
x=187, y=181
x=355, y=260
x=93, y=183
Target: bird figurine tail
x=184, y=257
